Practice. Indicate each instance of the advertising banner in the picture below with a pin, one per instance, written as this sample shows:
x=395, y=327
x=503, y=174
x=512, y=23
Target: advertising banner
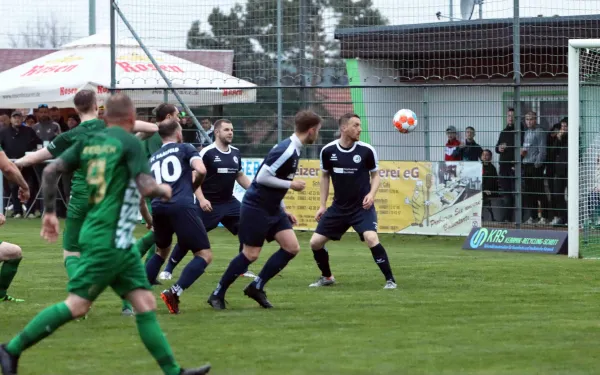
x=519, y=240
x=432, y=198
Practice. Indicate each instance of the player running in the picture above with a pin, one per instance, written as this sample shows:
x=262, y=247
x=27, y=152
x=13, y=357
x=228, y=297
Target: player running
x=352, y=166
x=87, y=107
x=263, y=216
x=223, y=164
x=164, y=111
x=175, y=163
x=116, y=169
x=10, y=254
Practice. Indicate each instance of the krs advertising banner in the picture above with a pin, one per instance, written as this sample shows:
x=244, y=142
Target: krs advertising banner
x=433, y=198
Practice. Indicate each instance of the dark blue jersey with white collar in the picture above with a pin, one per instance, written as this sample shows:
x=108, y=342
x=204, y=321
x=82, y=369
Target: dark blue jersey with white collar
x=281, y=162
x=222, y=168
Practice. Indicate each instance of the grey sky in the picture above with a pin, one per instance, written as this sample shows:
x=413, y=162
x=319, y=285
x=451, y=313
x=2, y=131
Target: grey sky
x=163, y=24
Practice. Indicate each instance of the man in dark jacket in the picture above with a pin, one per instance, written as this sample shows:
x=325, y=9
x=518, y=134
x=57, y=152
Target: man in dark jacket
x=561, y=175
x=490, y=181
x=505, y=147
x=16, y=140
x=552, y=150
x=468, y=150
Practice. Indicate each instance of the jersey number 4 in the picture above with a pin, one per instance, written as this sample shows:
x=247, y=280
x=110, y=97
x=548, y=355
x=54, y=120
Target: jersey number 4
x=167, y=170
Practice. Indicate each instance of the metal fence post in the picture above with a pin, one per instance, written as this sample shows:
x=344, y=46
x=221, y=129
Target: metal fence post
x=279, y=75
x=426, y=124
x=517, y=106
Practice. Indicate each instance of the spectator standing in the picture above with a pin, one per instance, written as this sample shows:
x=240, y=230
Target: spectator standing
x=533, y=153
x=468, y=150
x=16, y=140
x=490, y=181
x=72, y=122
x=209, y=129
x=505, y=148
x=57, y=117
x=552, y=149
x=46, y=129
x=451, y=145
x=191, y=135
x=561, y=174
x=30, y=120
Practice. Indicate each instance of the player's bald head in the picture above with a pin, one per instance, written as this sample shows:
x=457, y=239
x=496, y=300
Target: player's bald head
x=119, y=110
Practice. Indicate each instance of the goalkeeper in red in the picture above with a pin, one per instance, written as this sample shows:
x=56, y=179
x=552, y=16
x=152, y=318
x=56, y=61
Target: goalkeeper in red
x=116, y=169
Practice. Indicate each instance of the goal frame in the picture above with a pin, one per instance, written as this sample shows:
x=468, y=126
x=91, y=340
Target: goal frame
x=574, y=230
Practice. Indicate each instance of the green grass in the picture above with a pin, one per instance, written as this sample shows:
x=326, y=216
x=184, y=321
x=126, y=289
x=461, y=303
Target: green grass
x=456, y=312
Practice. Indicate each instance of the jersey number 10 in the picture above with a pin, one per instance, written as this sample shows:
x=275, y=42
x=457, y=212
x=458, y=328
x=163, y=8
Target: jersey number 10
x=167, y=170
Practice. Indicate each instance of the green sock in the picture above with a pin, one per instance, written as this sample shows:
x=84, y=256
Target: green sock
x=71, y=264
x=156, y=342
x=126, y=305
x=7, y=274
x=40, y=327
x=145, y=243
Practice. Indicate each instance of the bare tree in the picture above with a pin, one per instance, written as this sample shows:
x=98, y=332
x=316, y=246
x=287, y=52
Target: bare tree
x=44, y=33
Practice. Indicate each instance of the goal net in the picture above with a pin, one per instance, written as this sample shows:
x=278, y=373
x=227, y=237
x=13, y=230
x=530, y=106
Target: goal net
x=583, y=192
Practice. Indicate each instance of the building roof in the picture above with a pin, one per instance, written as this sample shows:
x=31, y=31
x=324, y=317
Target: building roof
x=469, y=49
x=221, y=61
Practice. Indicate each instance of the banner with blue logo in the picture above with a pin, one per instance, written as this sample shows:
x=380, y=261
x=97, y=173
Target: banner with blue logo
x=519, y=240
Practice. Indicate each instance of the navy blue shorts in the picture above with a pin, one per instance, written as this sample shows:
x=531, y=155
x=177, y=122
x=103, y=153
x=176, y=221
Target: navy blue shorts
x=257, y=225
x=226, y=213
x=335, y=222
x=185, y=222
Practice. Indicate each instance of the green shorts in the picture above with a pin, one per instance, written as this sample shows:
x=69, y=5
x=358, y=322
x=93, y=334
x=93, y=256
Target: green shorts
x=98, y=269
x=75, y=216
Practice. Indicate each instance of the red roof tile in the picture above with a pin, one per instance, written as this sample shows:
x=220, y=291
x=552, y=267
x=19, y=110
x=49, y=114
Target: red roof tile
x=221, y=61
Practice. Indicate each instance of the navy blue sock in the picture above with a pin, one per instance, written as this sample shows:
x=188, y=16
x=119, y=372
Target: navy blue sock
x=381, y=258
x=322, y=258
x=153, y=267
x=274, y=265
x=176, y=256
x=190, y=274
x=237, y=267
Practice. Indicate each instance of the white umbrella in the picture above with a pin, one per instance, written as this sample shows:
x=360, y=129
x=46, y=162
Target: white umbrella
x=54, y=79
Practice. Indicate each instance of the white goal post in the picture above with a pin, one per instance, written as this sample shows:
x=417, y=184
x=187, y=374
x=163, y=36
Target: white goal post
x=583, y=67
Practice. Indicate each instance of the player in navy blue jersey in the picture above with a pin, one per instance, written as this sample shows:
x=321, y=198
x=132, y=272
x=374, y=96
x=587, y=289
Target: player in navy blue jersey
x=179, y=165
x=352, y=166
x=223, y=164
x=263, y=216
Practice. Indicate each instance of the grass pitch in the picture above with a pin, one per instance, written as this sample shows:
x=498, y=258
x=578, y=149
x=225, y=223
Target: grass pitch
x=455, y=312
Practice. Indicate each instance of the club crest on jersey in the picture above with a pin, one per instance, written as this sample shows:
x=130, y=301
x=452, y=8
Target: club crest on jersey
x=235, y=159
x=356, y=159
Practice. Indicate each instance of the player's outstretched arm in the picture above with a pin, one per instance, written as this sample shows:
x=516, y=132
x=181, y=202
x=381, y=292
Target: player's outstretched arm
x=13, y=174
x=50, y=178
x=243, y=180
x=34, y=158
x=144, y=129
x=150, y=189
x=265, y=177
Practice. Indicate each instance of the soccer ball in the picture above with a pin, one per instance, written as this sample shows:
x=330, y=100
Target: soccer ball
x=405, y=120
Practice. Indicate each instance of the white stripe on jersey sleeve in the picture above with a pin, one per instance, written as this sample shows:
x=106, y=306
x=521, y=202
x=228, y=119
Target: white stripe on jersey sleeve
x=374, y=155
x=194, y=158
x=321, y=154
x=282, y=159
x=206, y=149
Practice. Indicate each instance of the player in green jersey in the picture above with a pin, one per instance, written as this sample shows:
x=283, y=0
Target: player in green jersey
x=10, y=254
x=86, y=105
x=115, y=170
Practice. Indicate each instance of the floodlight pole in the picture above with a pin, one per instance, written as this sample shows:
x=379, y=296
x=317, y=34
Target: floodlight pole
x=451, y=13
